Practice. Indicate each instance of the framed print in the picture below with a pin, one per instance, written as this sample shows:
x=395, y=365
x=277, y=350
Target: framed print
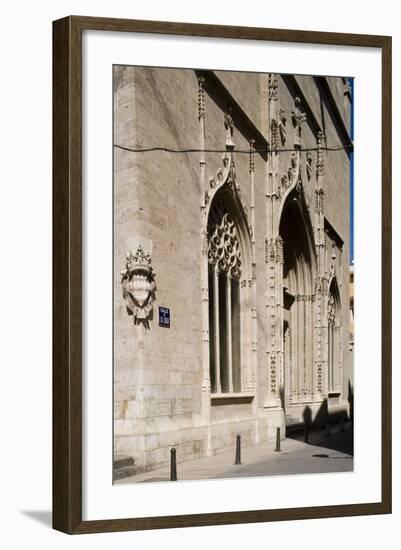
x=222, y=275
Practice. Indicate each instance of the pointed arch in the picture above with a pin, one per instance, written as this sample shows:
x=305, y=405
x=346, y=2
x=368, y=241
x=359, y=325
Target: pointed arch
x=295, y=229
x=229, y=271
x=299, y=270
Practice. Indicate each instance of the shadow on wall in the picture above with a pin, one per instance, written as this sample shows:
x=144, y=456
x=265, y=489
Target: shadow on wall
x=326, y=420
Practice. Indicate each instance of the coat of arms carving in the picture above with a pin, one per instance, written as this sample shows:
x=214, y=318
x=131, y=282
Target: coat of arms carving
x=139, y=286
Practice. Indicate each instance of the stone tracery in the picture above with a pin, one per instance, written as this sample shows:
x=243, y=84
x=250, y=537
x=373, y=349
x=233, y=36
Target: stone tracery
x=224, y=248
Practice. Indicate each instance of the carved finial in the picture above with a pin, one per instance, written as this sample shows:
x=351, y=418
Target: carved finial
x=201, y=97
x=298, y=117
x=319, y=160
x=251, y=156
x=229, y=126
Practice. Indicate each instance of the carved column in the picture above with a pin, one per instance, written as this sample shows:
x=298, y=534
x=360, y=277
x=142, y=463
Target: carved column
x=320, y=359
x=229, y=344
x=216, y=328
x=205, y=392
x=254, y=328
x=294, y=341
x=308, y=354
x=274, y=349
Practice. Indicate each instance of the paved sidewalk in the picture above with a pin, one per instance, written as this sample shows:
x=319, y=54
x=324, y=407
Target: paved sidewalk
x=322, y=454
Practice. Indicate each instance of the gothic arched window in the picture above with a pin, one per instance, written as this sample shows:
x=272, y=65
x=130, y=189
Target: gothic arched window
x=225, y=261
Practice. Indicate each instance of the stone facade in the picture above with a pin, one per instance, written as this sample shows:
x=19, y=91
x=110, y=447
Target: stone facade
x=245, y=240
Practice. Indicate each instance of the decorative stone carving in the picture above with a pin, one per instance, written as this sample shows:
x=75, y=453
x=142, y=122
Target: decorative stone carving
x=221, y=176
x=319, y=201
x=229, y=126
x=204, y=240
x=321, y=285
x=288, y=179
x=251, y=156
x=298, y=117
x=274, y=250
x=319, y=160
x=273, y=374
x=224, y=247
x=319, y=378
x=273, y=87
x=232, y=180
x=281, y=126
x=309, y=161
x=139, y=286
x=331, y=311
x=279, y=250
x=274, y=134
x=269, y=250
x=201, y=97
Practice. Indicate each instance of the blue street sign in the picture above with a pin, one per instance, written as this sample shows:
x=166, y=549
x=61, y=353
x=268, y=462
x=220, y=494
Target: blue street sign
x=164, y=317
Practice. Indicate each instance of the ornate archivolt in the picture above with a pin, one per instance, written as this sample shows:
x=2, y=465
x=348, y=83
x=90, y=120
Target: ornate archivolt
x=308, y=280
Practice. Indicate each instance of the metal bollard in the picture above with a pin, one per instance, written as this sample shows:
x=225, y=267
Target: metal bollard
x=238, y=450
x=278, y=441
x=173, y=465
x=306, y=435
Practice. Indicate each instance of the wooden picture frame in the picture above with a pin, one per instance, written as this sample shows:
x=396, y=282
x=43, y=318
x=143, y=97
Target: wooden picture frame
x=67, y=274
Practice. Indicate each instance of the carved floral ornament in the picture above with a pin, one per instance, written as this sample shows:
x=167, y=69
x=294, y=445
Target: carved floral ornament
x=274, y=250
x=139, y=286
x=331, y=311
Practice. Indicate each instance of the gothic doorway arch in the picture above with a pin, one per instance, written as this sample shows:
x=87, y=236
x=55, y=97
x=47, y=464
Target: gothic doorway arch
x=298, y=291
